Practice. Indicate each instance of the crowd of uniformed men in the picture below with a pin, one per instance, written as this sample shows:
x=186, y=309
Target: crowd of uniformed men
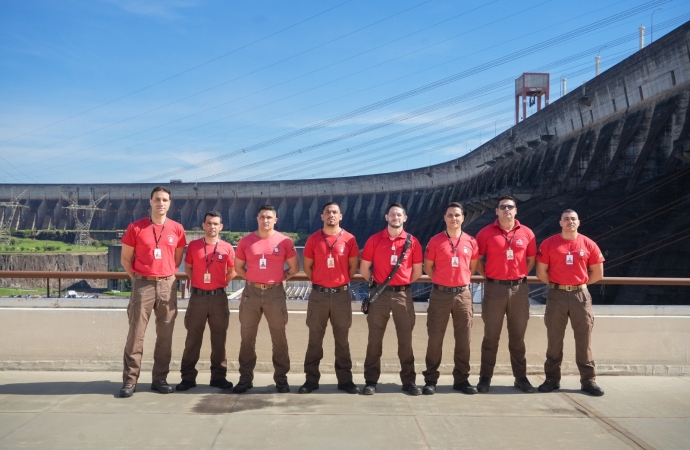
x=504, y=252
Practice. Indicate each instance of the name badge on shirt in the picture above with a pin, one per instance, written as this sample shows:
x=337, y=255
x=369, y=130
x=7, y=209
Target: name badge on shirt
x=330, y=262
x=510, y=255
x=454, y=261
x=157, y=253
x=394, y=260
x=262, y=263
x=569, y=259
x=207, y=278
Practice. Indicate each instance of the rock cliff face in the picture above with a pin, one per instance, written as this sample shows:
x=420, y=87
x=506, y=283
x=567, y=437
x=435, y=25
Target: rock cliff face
x=52, y=262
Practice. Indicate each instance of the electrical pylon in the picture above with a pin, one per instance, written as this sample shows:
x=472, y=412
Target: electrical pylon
x=83, y=226
x=9, y=209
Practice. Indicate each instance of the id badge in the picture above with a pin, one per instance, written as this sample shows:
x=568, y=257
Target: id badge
x=330, y=262
x=157, y=253
x=207, y=278
x=569, y=260
x=262, y=263
x=394, y=260
x=510, y=255
x=454, y=261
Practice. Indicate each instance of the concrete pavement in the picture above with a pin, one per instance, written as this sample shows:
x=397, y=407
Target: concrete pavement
x=56, y=410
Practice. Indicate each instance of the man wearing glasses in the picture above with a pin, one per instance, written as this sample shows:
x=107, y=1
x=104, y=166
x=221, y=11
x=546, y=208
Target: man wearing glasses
x=507, y=252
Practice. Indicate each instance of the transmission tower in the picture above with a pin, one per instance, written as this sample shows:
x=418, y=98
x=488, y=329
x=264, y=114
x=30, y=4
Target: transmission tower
x=83, y=226
x=9, y=209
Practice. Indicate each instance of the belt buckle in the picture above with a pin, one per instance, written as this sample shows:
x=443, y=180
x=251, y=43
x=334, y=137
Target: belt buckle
x=263, y=287
x=569, y=288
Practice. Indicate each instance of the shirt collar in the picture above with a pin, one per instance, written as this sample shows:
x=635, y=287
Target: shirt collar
x=517, y=225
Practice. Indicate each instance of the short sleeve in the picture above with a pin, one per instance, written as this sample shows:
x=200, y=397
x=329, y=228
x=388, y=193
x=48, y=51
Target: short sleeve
x=231, y=256
x=188, y=255
x=182, y=241
x=595, y=255
x=289, y=246
x=240, y=251
x=481, y=243
x=532, y=245
x=430, y=251
x=417, y=257
x=354, y=250
x=368, y=252
x=130, y=236
x=309, y=248
x=543, y=253
x=475, y=249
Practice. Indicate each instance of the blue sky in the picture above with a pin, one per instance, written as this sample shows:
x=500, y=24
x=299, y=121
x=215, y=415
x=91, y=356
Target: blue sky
x=115, y=91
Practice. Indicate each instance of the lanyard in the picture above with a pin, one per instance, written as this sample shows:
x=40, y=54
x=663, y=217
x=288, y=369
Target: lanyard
x=454, y=246
x=330, y=247
x=153, y=227
x=510, y=242
x=212, y=256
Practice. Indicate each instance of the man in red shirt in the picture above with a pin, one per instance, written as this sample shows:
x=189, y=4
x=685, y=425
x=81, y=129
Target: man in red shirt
x=383, y=251
x=260, y=259
x=450, y=261
x=152, y=251
x=209, y=263
x=507, y=251
x=330, y=260
x=567, y=262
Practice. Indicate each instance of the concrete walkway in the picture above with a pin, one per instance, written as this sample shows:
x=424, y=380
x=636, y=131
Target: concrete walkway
x=54, y=410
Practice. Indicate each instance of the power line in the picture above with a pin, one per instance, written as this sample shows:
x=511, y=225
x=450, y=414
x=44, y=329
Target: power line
x=442, y=82
x=179, y=73
x=226, y=82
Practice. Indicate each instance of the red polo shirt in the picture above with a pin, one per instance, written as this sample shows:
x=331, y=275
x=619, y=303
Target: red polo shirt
x=440, y=251
x=341, y=247
x=379, y=249
x=494, y=242
x=140, y=235
x=554, y=252
x=275, y=249
x=217, y=263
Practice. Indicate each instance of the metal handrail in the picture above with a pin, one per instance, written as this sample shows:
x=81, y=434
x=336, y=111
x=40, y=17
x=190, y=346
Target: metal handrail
x=301, y=276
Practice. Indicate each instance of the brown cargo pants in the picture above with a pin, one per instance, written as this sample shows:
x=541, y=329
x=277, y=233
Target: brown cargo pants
x=214, y=310
x=400, y=304
x=161, y=298
x=441, y=306
x=338, y=308
x=578, y=306
x=513, y=302
x=271, y=303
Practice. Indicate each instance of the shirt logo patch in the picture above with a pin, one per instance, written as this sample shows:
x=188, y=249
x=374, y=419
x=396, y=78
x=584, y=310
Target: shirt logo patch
x=582, y=252
x=220, y=257
x=342, y=249
x=171, y=239
x=276, y=250
x=464, y=249
x=519, y=242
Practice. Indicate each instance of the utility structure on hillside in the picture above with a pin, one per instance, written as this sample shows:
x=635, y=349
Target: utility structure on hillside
x=83, y=224
x=9, y=210
x=533, y=86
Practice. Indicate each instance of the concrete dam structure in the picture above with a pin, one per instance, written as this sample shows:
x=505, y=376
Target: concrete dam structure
x=617, y=150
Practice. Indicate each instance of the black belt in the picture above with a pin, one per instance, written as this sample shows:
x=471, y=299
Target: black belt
x=449, y=290
x=401, y=288
x=507, y=282
x=326, y=290
x=196, y=290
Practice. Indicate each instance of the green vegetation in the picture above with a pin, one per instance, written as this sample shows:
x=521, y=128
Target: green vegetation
x=28, y=245
x=6, y=292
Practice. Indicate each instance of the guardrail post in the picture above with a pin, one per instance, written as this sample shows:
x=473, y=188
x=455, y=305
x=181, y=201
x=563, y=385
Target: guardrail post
x=48, y=287
x=59, y=287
